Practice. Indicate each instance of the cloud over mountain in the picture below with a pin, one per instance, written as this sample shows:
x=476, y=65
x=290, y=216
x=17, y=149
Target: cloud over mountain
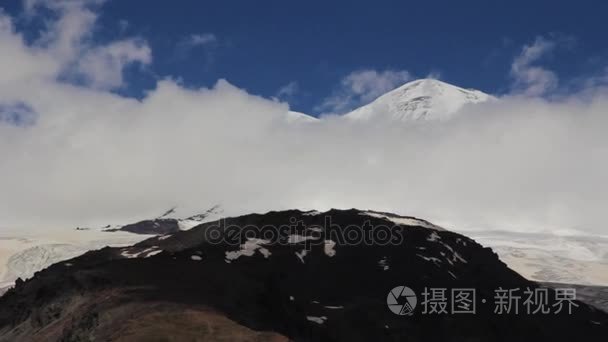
x=92, y=156
x=361, y=87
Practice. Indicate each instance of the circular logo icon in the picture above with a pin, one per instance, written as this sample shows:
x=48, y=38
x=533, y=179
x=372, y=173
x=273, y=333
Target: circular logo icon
x=402, y=301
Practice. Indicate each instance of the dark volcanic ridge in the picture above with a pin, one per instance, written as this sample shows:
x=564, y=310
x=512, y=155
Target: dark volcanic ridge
x=307, y=282
x=166, y=223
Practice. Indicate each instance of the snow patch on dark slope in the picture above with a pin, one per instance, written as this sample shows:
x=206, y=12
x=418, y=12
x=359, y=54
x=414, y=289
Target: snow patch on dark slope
x=303, y=288
x=402, y=220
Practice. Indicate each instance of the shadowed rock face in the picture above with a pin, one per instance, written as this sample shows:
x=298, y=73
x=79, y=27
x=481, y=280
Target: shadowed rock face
x=156, y=226
x=311, y=281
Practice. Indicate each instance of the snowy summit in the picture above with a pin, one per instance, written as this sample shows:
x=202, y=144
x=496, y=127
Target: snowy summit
x=424, y=99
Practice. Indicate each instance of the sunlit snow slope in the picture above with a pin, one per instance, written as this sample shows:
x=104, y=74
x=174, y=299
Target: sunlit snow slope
x=425, y=99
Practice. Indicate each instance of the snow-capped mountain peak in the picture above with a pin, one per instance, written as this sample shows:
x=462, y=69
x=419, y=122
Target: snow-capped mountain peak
x=424, y=99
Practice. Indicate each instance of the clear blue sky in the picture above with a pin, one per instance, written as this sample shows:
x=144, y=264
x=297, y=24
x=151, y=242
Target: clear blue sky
x=264, y=45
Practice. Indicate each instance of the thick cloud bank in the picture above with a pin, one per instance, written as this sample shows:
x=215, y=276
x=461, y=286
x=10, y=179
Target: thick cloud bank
x=96, y=156
x=77, y=155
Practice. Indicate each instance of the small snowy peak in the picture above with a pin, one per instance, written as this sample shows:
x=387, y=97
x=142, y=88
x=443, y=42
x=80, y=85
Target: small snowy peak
x=171, y=221
x=425, y=99
x=183, y=213
x=212, y=214
x=187, y=224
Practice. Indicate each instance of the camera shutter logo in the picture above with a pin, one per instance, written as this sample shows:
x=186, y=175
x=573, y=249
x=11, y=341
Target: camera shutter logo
x=402, y=301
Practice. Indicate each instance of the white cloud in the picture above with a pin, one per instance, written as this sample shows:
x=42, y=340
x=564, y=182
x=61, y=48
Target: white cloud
x=201, y=39
x=103, y=67
x=208, y=42
x=66, y=48
x=593, y=82
x=66, y=36
x=19, y=62
x=123, y=25
x=361, y=87
x=288, y=91
x=32, y=6
x=434, y=75
x=529, y=79
x=93, y=157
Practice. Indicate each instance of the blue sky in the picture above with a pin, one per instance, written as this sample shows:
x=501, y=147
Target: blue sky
x=264, y=46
